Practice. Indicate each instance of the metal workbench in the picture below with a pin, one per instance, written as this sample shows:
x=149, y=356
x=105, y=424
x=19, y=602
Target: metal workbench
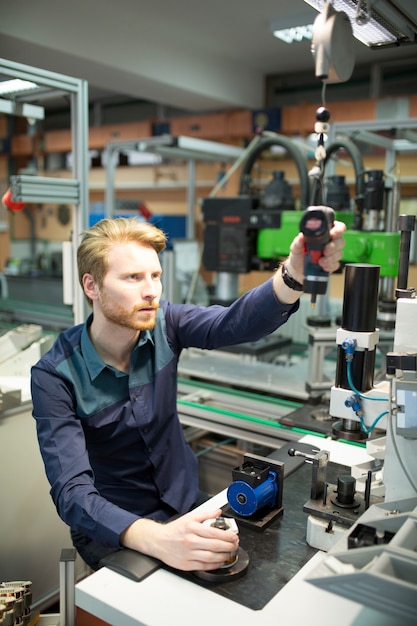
x=275, y=583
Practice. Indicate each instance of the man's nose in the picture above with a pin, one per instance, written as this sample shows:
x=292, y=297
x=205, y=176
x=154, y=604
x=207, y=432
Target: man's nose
x=149, y=289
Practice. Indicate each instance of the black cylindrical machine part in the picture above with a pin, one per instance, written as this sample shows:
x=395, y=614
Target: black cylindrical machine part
x=346, y=489
x=406, y=225
x=360, y=307
x=337, y=193
x=374, y=191
x=360, y=300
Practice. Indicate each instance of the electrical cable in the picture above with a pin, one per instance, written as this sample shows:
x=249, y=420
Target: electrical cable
x=355, y=404
x=293, y=150
x=358, y=165
x=352, y=386
x=349, y=346
x=323, y=94
x=369, y=429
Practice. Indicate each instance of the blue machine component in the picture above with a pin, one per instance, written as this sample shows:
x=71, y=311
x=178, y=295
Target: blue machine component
x=246, y=500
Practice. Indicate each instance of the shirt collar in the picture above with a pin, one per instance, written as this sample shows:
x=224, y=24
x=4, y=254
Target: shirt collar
x=94, y=363
x=145, y=335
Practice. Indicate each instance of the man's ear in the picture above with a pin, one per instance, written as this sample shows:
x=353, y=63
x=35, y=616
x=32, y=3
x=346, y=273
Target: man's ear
x=90, y=287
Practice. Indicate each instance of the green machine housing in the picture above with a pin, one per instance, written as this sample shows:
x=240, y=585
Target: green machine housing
x=240, y=236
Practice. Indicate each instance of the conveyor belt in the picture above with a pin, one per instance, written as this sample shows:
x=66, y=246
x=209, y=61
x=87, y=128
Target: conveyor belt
x=239, y=414
x=50, y=316
x=285, y=377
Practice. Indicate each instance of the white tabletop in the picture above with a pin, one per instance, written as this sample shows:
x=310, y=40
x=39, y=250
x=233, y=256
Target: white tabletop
x=165, y=598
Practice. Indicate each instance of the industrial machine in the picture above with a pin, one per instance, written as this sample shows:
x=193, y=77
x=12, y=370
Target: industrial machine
x=234, y=225
x=335, y=506
x=253, y=230
x=377, y=559
x=384, y=415
x=354, y=398
x=376, y=564
x=369, y=534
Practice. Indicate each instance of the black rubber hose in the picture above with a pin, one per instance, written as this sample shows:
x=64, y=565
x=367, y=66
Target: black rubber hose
x=354, y=153
x=295, y=153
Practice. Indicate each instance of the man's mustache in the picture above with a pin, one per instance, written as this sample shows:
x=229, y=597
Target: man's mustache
x=150, y=305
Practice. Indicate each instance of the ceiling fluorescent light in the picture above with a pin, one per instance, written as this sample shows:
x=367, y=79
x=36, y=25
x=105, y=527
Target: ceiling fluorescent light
x=15, y=86
x=294, y=34
x=371, y=29
x=295, y=28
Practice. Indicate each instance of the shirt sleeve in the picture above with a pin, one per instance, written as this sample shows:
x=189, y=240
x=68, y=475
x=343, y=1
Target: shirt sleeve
x=67, y=466
x=252, y=316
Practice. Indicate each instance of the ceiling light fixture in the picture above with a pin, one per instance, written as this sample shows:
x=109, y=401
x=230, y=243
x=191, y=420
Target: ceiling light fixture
x=15, y=86
x=295, y=28
x=375, y=24
x=11, y=96
x=294, y=33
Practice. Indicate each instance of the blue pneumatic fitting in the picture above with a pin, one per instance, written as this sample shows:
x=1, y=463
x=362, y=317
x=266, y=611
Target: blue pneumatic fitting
x=245, y=500
x=349, y=346
x=354, y=402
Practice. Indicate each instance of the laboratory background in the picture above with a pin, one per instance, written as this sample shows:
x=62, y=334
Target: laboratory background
x=229, y=125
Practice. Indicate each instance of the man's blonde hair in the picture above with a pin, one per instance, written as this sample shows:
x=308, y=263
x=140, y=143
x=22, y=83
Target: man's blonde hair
x=93, y=251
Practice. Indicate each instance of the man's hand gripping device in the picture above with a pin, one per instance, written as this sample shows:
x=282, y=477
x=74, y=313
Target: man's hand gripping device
x=315, y=226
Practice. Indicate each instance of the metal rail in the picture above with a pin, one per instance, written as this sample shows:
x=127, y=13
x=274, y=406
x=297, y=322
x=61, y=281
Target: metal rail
x=232, y=413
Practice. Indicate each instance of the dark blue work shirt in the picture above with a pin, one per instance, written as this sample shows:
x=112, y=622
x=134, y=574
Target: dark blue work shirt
x=112, y=443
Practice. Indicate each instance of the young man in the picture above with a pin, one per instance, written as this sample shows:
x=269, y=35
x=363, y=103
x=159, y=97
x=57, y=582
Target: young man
x=105, y=397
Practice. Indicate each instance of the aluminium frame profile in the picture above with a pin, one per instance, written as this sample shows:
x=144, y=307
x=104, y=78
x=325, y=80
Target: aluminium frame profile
x=190, y=149
x=21, y=109
x=78, y=90
x=38, y=189
x=366, y=132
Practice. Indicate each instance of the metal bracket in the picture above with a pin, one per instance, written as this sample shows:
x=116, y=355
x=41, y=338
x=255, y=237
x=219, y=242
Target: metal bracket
x=67, y=587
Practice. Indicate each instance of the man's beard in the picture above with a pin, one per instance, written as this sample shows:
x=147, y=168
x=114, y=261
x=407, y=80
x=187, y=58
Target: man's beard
x=128, y=318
